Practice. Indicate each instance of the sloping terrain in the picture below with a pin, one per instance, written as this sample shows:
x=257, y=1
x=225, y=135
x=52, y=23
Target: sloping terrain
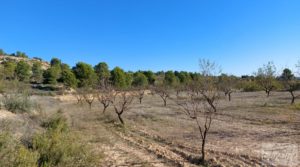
x=45, y=65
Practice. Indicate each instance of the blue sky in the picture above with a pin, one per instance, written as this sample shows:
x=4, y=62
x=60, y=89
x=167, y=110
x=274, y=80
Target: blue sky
x=240, y=35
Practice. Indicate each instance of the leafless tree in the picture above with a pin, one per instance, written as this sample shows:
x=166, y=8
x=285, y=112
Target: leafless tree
x=227, y=84
x=89, y=97
x=106, y=97
x=292, y=86
x=196, y=108
x=200, y=104
x=79, y=96
x=290, y=83
x=122, y=102
x=163, y=92
x=141, y=94
x=265, y=77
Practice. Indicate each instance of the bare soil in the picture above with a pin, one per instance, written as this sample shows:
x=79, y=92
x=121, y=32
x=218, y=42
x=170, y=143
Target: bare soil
x=155, y=135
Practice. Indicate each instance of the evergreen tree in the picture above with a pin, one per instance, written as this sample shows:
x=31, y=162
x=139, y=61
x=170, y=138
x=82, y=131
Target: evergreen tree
x=118, y=78
x=23, y=71
x=103, y=73
x=85, y=75
x=139, y=80
x=37, y=72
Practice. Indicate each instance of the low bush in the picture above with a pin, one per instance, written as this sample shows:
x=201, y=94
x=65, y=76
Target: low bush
x=56, y=146
x=250, y=86
x=18, y=103
x=13, y=153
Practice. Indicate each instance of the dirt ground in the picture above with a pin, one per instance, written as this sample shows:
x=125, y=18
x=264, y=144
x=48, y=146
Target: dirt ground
x=154, y=135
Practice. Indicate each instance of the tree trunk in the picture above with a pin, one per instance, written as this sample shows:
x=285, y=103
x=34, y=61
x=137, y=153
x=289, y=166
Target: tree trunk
x=213, y=106
x=104, y=108
x=229, y=96
x=140, y=100
x=203, y=147
x=90, y=106
x=293, y=97
x=120, y=118
x=165, y=102
x=268, y=93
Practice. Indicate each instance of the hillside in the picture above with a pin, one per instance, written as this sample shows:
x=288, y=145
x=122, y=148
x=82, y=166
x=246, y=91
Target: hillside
x=4, y=58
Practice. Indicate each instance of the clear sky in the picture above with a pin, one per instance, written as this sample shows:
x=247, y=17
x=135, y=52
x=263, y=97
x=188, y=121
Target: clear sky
x=240, y=35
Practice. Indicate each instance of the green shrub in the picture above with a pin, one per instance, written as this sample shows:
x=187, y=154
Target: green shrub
x=18, y=103
x=58, y=147
x=250, y=86
x=13, y=153
x=25, y=157
x=56, y=123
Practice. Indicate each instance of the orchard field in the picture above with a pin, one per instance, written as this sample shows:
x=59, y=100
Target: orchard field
x=154, y=135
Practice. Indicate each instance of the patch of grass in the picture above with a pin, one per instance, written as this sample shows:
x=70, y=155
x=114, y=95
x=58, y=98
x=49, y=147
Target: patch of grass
x=296, y=106
x=18, y=103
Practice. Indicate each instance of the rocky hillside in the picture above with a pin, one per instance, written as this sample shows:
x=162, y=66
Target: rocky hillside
x=3, y=58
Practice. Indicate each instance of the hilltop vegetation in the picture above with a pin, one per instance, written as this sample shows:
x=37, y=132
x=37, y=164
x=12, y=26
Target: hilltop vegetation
x=18, y=66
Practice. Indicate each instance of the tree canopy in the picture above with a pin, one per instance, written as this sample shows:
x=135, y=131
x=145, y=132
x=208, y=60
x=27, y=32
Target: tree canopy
x=37, y=72
x=85, y=75
x=118, y=78
x=103, y=73
x=23, y=71
x=139, y=80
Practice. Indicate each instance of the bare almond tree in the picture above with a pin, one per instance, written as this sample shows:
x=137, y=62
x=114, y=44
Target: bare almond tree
x=79, y=96
x=122, y=102
x=292, y=86
x=201, y=102
x=89, y=97
x=163, y=93
x=106, y=97
x=227, y=84
x=265, y=77
x=199, y=111
x=290, y=83
x=141, y=94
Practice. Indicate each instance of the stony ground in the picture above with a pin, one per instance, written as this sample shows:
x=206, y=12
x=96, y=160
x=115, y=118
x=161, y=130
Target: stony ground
x=164, y=136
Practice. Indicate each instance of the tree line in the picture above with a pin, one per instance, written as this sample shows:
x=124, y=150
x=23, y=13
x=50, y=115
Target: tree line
x=85, y=75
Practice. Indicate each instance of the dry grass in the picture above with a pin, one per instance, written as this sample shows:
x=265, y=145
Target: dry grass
x=155, y=135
